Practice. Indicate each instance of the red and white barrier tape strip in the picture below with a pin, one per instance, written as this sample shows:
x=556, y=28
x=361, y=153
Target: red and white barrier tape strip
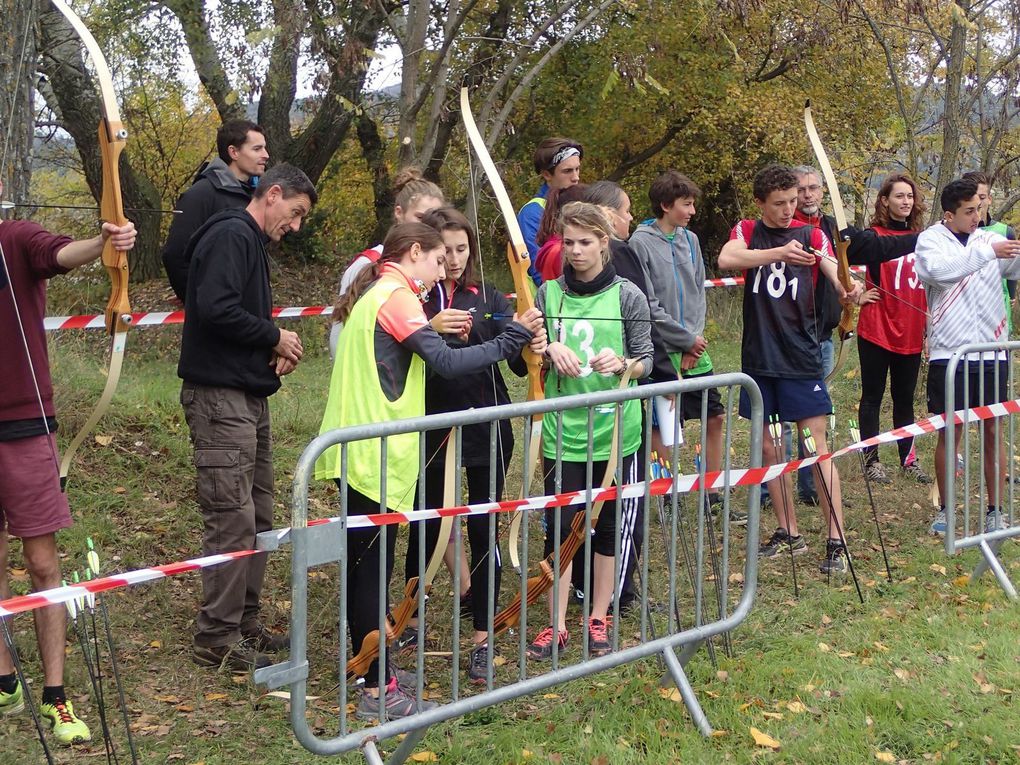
x=158, y=318
x=660, y=486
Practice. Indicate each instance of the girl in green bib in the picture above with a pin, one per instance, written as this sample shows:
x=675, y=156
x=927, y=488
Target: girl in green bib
x=598, y=325
x=379, y=375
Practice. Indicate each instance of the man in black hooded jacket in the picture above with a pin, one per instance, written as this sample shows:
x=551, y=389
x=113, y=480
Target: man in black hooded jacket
x=232, y=358
x=226, y=183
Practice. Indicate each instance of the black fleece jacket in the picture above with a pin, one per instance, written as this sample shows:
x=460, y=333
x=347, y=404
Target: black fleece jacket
x=215, y=189
x=229, y=334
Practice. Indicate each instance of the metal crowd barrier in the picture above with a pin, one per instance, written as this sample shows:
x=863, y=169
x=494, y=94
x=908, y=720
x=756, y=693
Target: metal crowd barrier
x=972, y=525
x=696, y=549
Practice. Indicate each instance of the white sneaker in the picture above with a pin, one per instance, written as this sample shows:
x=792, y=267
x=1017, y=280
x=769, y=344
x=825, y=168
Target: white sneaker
x=995, y=521
x=938, y=525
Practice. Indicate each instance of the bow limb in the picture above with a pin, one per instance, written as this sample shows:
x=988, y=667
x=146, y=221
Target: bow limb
x=112, y=138
x=518, y=259
x=541, y=583
x=400, y=617
x=848, y=318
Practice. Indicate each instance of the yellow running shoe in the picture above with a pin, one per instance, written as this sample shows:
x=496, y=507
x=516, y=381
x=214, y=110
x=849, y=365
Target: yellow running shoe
x=13, y=702
x=66, y=726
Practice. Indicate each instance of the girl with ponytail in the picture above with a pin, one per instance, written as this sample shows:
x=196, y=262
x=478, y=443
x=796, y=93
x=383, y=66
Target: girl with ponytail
x=379, y=375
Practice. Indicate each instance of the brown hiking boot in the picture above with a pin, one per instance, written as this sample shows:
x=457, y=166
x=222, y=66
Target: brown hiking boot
x=241, y=656
x=264, y=640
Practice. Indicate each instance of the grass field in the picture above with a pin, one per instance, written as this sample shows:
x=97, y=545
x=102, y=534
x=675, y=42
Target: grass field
x=926, y=670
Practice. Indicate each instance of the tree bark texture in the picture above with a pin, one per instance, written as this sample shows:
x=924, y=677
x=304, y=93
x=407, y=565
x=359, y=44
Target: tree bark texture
x=17, y=77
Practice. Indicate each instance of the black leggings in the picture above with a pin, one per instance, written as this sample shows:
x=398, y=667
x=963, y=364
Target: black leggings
x=902, y=370
x=363, y=550
x=477, y=533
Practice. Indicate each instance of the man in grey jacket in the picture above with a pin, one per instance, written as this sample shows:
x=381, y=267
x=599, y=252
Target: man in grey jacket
x=671, y=256
x=226, y=183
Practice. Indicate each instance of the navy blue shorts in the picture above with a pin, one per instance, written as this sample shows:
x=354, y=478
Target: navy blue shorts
x=792, y=400
x=987, y=383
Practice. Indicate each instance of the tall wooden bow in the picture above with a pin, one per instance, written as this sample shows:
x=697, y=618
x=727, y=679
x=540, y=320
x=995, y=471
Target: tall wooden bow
x=112, y=138
x=544, y=580
x=848, y=319
x=517, y=256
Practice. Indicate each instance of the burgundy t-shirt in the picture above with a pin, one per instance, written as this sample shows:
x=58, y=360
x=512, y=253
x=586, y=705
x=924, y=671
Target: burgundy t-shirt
x=30, y=254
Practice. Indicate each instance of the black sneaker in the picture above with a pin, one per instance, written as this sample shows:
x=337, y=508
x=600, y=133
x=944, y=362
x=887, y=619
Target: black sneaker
x=241, y=656
x=408, y=640
x=781, y=543
x=478, y=663
x=836, y=560
x=399, y=704
x=267, y=641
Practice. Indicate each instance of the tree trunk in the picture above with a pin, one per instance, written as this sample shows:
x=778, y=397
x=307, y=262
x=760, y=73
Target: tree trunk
x=78, y=104
x=17, y=75
x=951, y=118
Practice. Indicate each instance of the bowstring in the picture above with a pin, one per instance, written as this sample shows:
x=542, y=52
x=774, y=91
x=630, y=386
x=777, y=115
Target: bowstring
x=492, y=371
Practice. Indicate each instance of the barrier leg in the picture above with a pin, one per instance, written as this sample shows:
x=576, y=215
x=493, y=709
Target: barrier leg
x=990, y=560
x=687, y=692
x=371, y=753
x=407, y=746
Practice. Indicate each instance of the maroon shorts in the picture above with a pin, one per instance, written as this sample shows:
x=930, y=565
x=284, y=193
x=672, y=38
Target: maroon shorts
x=31, y=502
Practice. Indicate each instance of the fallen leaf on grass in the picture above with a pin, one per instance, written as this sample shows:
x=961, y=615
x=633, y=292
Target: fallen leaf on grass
x=885, y=756
x=772, y=715
x=168, y=699
x=424, y=757
x=498, y=661
x=983, y=685
x=720, y=733
x=902, y=674
x=824, y=647
x=526, y=754
x=218, y=696
x=764, y=739
x=938, y=568
x=671, y=694
x=550, y=696
x=961, y=581
x=104, y=440
x=796, y=707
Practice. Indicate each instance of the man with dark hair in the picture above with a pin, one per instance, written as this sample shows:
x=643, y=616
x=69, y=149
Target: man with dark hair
x=782, y=260
x=558, y=162
x=984, y=186
x=32, y=505
x=962, y=267
x=224, y=183
x=232, y=359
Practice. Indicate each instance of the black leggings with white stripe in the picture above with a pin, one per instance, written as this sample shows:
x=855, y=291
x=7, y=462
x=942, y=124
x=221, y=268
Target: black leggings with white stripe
x=575, y=475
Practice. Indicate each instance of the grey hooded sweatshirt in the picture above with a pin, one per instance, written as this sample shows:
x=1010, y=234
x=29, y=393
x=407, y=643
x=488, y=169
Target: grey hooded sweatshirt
x=676, y=276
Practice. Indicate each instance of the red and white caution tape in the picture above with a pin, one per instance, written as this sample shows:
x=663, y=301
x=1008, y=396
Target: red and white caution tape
x=660, y=486
x=157, y=318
